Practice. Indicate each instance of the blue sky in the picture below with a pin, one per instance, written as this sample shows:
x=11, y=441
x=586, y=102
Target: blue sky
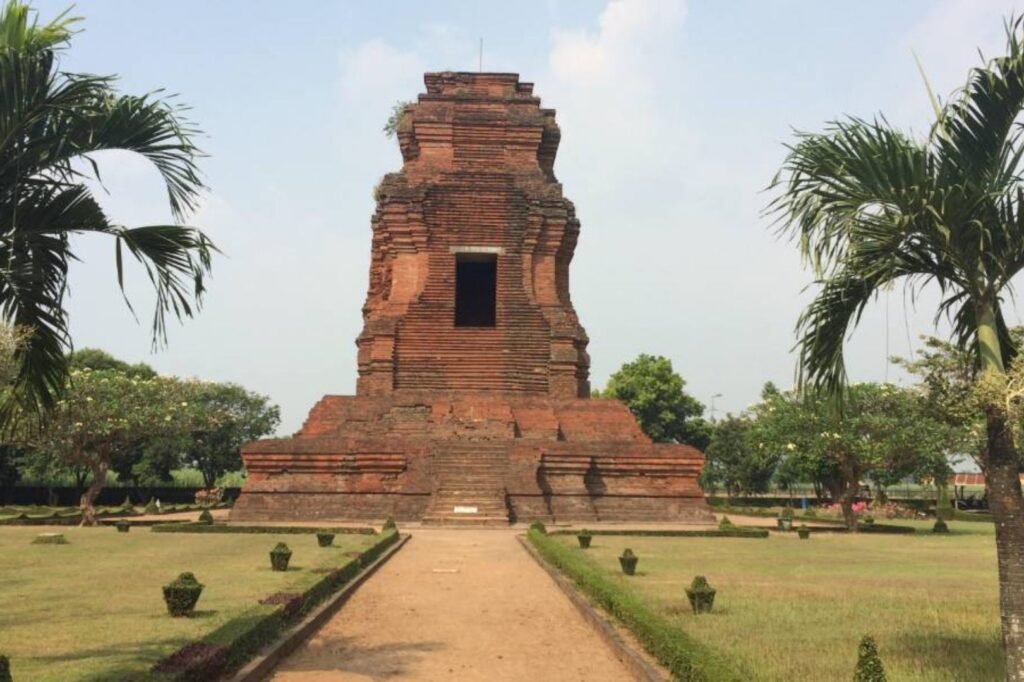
x=673, y=115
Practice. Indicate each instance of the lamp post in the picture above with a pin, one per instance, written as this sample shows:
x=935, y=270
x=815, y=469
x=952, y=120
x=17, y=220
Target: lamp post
x=717, y=395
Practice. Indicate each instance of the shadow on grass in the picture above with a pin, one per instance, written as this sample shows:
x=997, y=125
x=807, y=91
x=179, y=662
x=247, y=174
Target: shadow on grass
x=145, y=652
x=962, y=657
x=378, y=662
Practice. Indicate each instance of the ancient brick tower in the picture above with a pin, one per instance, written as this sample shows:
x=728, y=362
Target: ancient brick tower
x=473, y=399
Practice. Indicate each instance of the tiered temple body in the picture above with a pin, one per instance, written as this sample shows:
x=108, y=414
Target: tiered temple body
x=479, y=422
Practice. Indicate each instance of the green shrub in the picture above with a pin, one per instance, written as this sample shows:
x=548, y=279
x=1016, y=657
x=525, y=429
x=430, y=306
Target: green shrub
x=123, y=526
x=186, y=527
x=725, y=524
x=686, y=658
x=539, y=527
x=869, y=665
x=787, y=513
x=206, y=517
x=701, y=595
x=181, y=594
x=151, y=507
x=734, y=532
x=804, y=532
x=628, y=561
x=390, y=524
x=324, y=538
x=279, y=557
x=810, y=513
x=584, y=537
x=127, y=504
x=50, y=539
x=940, y=526
x=5, y=669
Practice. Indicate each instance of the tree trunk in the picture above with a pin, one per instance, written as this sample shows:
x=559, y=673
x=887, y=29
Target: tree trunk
x=99, y=477
x=1007, y=507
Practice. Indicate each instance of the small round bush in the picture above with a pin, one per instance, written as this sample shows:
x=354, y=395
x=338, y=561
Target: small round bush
x=182, y=594
x=206, y=517
x=869, y=665
x=725, y=524
x=390, y=524
x=279, y=557
x=940, y=526
x=123, y=526
x=628, y=561
x=539, y=527
x=804, y=532
x=584, y=537
x=324, y=538
x=701, y=595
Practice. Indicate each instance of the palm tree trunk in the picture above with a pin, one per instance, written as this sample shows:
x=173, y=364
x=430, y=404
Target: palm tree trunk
x=1007, y=507
x=1002, y=478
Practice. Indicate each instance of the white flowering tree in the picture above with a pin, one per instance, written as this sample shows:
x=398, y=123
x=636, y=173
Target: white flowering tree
x=103, y=413
x=884, y=433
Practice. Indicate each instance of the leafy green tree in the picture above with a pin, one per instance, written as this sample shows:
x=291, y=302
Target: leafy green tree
x=94, y=358
x=883, y=431
x=870, y=206
x=732, y=462
x=51, y=124
x=228, y=417
x=104, y=413
x=655, y=393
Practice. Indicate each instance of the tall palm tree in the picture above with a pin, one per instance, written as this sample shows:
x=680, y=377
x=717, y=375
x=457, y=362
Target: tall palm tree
x=51, y=122
x=871, y=206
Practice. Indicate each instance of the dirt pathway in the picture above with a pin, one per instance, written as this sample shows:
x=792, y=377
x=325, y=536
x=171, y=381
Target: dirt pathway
x=456, y=605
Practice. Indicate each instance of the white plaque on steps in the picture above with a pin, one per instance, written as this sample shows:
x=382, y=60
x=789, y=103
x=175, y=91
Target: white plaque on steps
x=463, y=509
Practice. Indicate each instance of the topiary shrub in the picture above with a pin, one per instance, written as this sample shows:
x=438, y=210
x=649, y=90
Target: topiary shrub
x=701, y=595
x=151, y=507
x=279, y=557
x=127, y=505
x=584, y=537
x=539, y=527
x=869, y=665
x=5, y=669
x=725, y=524
x=804, y=532
x=628, y=561
x=940, y=526
x=123, y=526
x=810, y=513
x=324, y=538
x=390, y=524
x=787, y=513
x=868, y=520
x=206, y=516
x=182, y=594
x=50, y=539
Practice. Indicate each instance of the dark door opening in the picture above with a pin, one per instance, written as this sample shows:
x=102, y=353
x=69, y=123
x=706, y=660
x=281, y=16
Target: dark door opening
x=476, y=289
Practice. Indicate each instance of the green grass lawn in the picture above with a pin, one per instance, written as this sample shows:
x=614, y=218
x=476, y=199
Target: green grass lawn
x=795, y=610
x=93, y=609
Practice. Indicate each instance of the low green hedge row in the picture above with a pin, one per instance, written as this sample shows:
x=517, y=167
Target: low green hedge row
x=877, y=528
x=734, y=532
x=278, y=530
x=673, y=648
x=973, y=517
x=768, y=514
x=230, y=646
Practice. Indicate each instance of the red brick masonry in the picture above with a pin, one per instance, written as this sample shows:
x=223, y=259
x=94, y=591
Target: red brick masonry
x=477, y=424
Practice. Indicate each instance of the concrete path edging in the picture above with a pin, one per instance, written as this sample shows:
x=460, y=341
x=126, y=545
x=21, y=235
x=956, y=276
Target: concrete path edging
x=260, y=667
x=636, y=662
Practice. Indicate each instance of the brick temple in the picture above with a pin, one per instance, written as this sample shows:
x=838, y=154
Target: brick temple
x=473, y=397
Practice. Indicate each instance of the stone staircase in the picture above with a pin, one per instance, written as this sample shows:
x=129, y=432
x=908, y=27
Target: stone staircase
x=469, y=489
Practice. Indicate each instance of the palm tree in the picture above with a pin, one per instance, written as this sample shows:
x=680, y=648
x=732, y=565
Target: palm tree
x=871, y=206
x=51, y=122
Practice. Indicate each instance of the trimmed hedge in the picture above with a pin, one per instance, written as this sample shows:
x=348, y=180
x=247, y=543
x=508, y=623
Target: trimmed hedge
x=187, y=527
x=734, y=532
x=673, y=648
x=231, y=645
